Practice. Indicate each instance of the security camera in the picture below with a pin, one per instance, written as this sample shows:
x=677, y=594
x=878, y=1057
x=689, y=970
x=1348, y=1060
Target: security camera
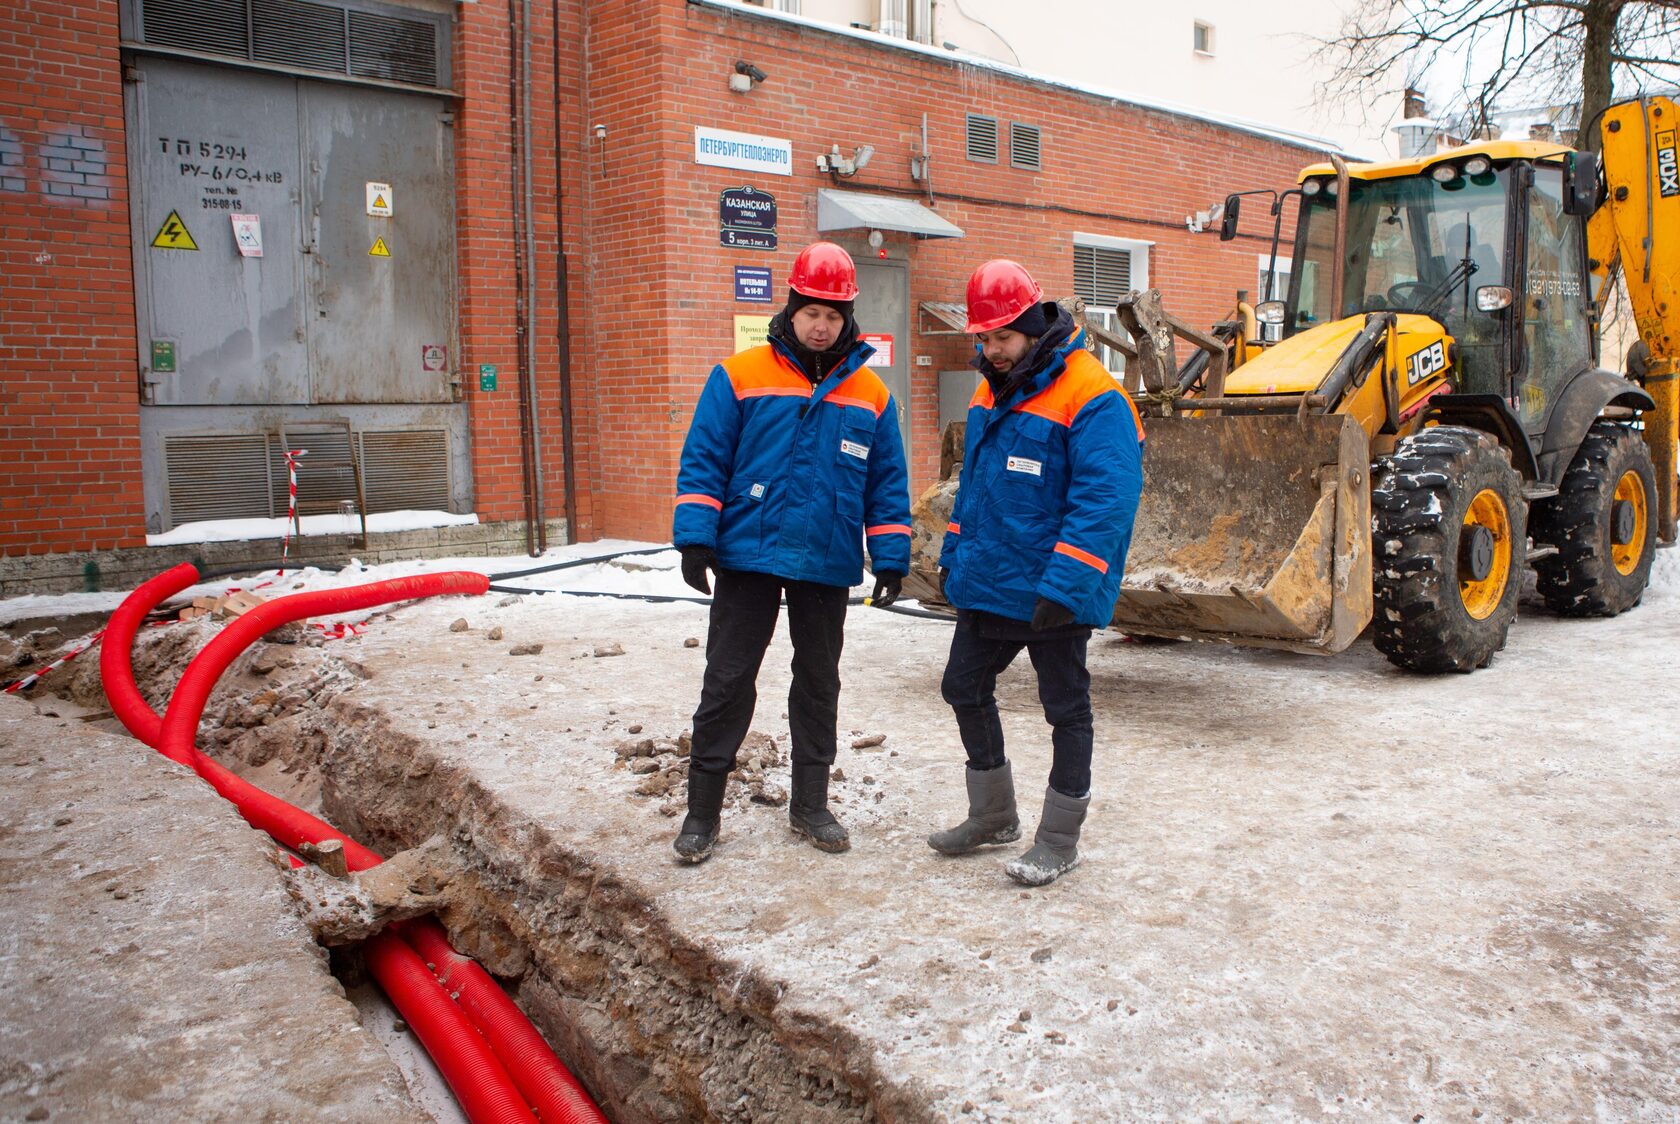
x=860, y=157
x=742, y=66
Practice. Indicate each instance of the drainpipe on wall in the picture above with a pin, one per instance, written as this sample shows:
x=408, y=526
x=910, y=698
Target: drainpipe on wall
x=530, y=429
x=563, y=330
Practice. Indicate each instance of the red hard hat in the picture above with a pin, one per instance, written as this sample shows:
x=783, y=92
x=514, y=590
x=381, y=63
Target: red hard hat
x=999, y=291
x=823, y=271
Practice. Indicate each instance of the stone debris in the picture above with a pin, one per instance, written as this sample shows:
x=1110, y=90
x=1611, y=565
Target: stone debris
x=494, y=634
x=692, y=642
x=510, y=599
x=869, y=742
x=526, y=650
x=459, y=624
x=604, y=650
x=636, y=729
x=1041, y=955
x=1113, y=1003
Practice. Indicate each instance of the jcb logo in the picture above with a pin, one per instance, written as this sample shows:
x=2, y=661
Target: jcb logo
x=1668, y=169
x=1421, y=364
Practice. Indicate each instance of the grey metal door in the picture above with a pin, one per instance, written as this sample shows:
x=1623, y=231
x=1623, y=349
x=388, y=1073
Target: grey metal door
x=324, y=315
x=382, y=321
x=883, y=308
x=208, y=144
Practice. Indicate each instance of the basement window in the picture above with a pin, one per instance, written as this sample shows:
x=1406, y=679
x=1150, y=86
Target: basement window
x=982, y=139
x=1201, y=38
x=1024, y=149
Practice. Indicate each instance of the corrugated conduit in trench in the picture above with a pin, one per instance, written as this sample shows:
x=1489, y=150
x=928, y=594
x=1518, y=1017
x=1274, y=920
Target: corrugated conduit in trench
x=494, y=1060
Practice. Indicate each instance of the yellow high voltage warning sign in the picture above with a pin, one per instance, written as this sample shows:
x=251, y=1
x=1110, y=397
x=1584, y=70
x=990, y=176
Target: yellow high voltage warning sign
x=379, y=249
x=173, y=234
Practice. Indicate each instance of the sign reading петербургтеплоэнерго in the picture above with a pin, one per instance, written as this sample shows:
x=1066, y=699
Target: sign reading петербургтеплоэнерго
x=747, y=151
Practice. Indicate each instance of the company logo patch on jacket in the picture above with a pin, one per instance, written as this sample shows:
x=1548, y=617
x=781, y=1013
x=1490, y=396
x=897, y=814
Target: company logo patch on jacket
x=756, y=491
x=1022, y=464
x=853, y=449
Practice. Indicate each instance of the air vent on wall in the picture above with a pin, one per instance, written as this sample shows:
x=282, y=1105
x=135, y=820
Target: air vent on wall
x=406, y=470
x=1024, y=145
x=982, y=138
x=224, y=476
x=1101, y=275
x=326, y=37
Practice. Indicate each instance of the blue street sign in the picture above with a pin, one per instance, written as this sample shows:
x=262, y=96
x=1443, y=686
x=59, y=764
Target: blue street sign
x=752, y=285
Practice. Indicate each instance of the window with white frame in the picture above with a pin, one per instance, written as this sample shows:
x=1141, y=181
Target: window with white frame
x=1271, y=333
x=1106, y=270
x=1201, y=37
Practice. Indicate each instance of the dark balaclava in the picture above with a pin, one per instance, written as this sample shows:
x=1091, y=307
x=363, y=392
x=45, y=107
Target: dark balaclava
x=815, y=364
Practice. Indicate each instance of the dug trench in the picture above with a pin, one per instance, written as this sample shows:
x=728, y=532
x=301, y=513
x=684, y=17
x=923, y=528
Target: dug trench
x=658, y=1028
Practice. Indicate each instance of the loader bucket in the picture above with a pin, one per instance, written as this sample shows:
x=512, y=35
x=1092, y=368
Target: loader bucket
x=1252, y=530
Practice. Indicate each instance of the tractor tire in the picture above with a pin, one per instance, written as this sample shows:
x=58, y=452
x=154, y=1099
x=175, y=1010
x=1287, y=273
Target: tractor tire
x=1449, y=528
x=1592, y=574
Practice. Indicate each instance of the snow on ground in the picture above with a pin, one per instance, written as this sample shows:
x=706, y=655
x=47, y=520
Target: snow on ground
x=1312, y=887
x=243, y=530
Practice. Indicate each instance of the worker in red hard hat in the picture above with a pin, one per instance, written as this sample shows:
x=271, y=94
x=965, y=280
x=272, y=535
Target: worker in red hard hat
x=792, y=463
x=1052, y=471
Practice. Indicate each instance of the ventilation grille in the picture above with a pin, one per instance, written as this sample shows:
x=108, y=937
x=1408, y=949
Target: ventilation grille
x=295, y=33
x=221, y=477
x=326, y=37
x=1024, y=146
x=406, y=471
x=397, y=50
x=243, y=476
x=1101, y=275
x=982, y=138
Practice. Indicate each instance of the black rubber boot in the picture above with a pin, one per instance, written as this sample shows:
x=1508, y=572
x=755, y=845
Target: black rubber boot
x=991, y=814
x=705, y=806
x=808, y=810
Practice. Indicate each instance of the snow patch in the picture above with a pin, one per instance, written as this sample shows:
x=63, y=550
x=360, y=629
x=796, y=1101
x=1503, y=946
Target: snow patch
x=244, y=530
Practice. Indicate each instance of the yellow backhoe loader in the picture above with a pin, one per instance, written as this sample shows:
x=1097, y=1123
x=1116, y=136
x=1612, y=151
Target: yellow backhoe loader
x=1432, y=415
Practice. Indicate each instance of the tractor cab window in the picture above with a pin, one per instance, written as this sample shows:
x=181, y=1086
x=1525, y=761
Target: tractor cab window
x=1557, y=332
x=1414, y=244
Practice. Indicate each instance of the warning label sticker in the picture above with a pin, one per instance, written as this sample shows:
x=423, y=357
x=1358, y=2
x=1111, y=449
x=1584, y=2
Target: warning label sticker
x=379, y=199
x=379, y=249
x=173, y=235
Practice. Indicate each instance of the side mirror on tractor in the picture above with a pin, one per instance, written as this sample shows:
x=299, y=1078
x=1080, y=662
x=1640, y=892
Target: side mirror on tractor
x=1583, y=183
x=1228, y=223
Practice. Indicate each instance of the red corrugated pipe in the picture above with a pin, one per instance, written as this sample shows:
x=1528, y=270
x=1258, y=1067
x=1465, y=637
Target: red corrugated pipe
x=539, y=1076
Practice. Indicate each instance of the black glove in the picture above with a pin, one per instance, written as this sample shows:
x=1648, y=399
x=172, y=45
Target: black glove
x=696, y=560
x=1050, y=614
x=888, y=583
x=944, y=576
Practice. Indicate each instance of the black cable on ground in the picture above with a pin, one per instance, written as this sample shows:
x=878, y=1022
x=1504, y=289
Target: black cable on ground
x=571, y=562
x=666, y=598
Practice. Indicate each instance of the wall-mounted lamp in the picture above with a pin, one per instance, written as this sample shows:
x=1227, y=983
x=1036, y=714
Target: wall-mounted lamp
x=746, y=76
x=845, y=167
x=600, y=132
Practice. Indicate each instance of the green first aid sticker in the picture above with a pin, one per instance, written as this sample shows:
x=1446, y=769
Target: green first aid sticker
x=487, y=376
x=163, y=356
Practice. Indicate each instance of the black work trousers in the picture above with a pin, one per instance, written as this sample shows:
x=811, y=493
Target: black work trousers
x=980, y=651
x=744, y=610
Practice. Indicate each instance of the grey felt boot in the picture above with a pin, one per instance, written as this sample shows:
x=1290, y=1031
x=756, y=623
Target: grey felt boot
x=705, y=807
x=1055, y=849
x=991, y=814
x=808, y=812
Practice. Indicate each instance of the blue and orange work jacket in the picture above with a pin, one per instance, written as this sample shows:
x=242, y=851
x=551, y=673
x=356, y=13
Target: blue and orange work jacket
x=1048, y=492
x=780, y=477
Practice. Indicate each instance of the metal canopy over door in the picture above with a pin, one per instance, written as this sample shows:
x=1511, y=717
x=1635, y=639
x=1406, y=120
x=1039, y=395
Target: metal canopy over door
x=353, y=138
x=883, y=308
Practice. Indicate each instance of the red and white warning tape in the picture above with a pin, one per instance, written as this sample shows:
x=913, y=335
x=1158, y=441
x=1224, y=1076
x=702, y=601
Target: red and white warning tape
x=35, y=676
x=292, y=456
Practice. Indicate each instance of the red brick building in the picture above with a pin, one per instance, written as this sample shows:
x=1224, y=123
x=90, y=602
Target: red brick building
x=586, y=153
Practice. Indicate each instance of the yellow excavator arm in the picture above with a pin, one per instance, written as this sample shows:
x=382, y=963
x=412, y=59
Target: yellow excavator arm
x=1638, y=227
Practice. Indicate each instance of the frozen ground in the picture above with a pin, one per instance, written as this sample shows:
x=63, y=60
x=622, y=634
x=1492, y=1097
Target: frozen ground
x=1313, y=887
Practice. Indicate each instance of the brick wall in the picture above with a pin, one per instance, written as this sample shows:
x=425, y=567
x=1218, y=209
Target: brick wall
x=1109, y=168
x=650, y=292
x=68, y=401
